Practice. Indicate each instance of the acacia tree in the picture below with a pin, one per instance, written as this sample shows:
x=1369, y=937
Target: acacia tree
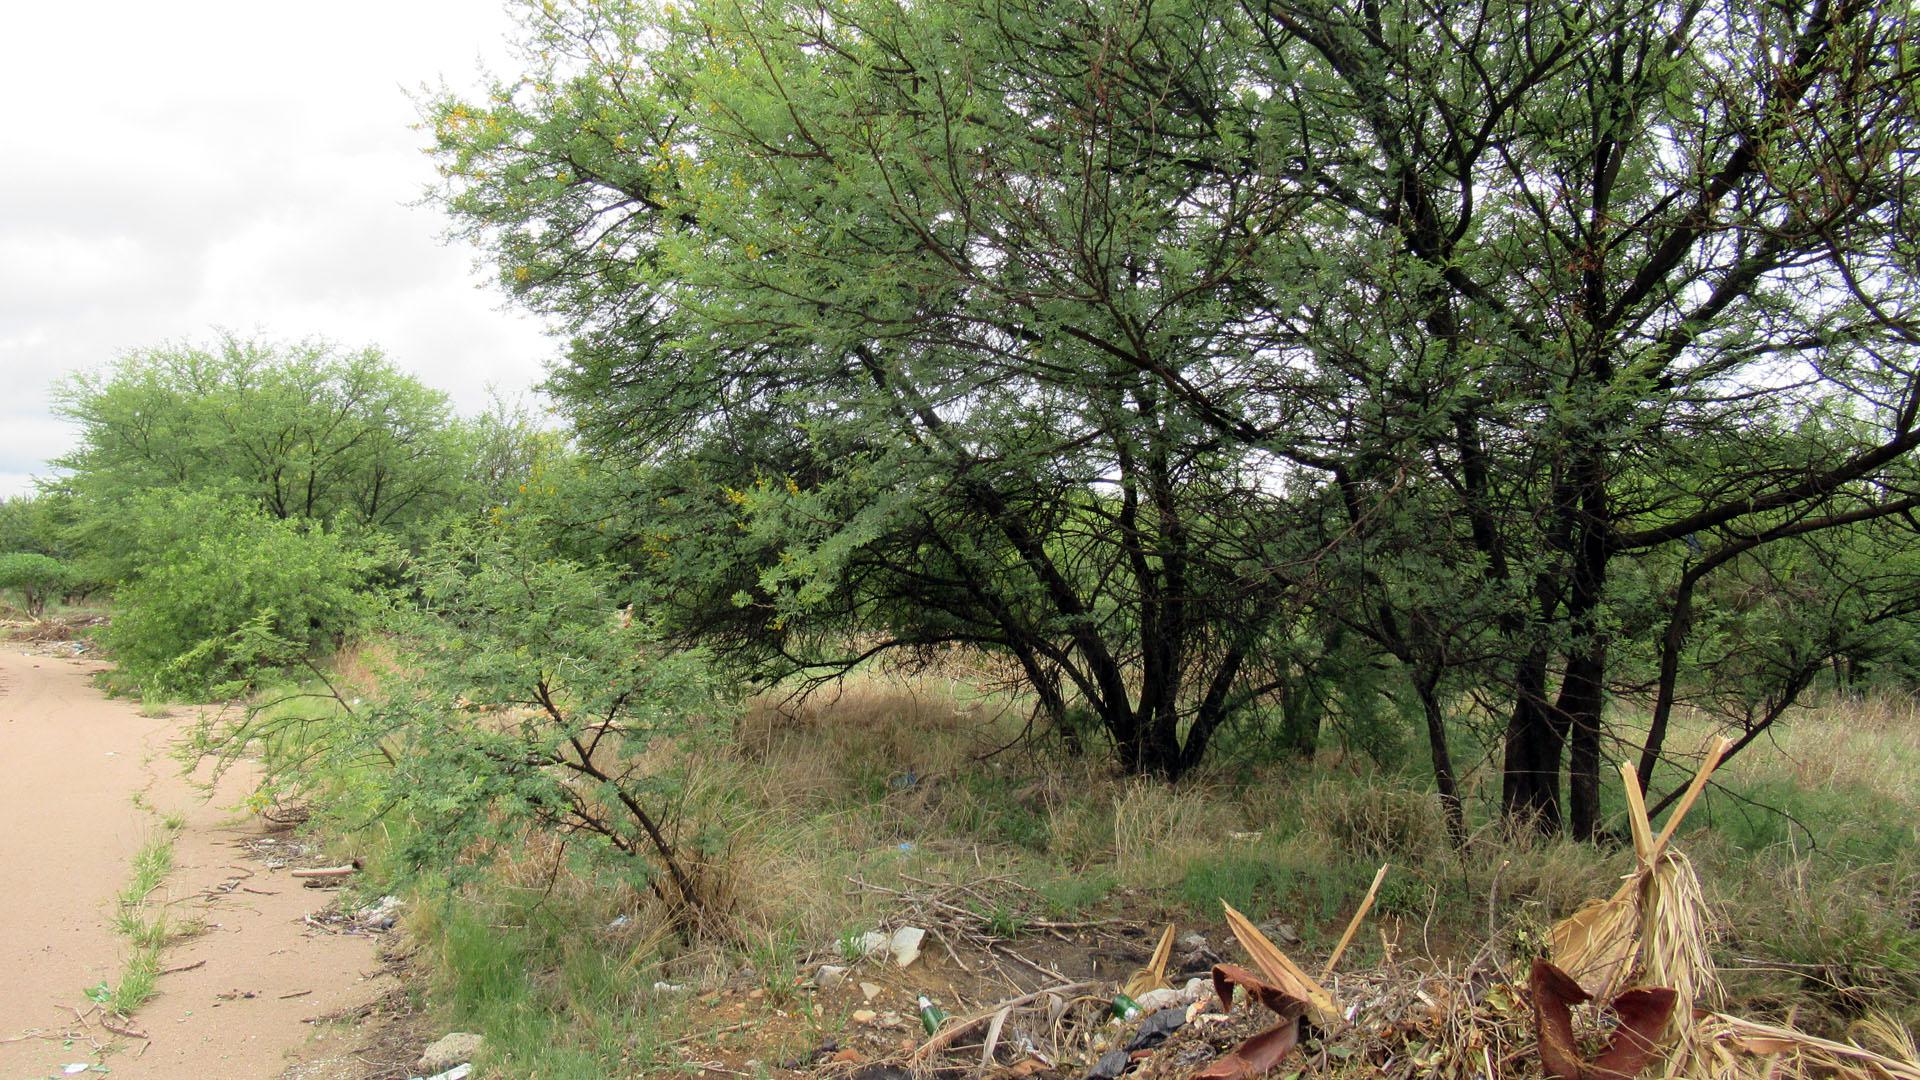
x=869, y=279
x=1106, y=291
x=1649, y=285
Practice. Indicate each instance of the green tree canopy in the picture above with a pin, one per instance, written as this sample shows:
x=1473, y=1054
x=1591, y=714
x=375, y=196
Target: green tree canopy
x=1121, y=333
x=306, y=431
x=880, y=397
x=36, y=577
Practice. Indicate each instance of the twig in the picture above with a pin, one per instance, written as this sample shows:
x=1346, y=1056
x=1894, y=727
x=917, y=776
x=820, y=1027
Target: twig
x=126, y=1031
x=178, y=968
x=327, y=871
x=295, y=994
x=1041, y=968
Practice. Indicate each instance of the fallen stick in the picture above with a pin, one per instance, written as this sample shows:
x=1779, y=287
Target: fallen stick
x=957, y=1028
x=327, y=871
x=177, y=968
x=295, y=994
x=1041, y=968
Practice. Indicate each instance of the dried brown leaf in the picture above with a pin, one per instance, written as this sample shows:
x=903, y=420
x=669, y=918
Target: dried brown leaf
x=1262, y=1052
x=1642, y=1016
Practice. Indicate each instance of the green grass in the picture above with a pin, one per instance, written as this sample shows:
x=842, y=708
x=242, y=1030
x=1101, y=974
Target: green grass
x=1076, y=894
x=147, y=932
x=556, y=999
x=138, y=976
x=151, y=865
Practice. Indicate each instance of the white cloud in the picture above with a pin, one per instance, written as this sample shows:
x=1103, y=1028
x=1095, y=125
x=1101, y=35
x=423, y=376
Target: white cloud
x=239, y=165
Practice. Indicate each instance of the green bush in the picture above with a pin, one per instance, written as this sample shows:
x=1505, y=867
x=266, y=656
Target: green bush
x=527, y=704
x=36, y=577
x=224, y=591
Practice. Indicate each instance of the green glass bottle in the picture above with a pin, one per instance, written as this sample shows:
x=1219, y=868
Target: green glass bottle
x=930, y=1015
x=1124, y=1007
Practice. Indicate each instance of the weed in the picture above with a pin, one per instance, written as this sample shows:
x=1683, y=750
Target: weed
x=1073, y=894
x=776, y=959
x=142, y=933
x=1004, y=922
x=145, y=937
x=137, y=979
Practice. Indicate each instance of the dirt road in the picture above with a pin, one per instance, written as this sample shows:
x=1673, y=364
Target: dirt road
x=70, y=823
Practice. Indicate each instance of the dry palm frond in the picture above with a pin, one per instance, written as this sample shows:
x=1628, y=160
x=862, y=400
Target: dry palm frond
x=1675, y=936
x=1732, y=1048
x=1597, y=944
x=1674, y=943
x=1353, y=924
x=1154, y=975
x=1655, y=918
x=1283, y=972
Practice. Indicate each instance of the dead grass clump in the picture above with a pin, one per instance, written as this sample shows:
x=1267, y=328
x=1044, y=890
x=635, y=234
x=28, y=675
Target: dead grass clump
x=1380, y=820
x=1841, y=943
x=763, y=864
x=867, y=727
x=361, y=664
x=1734, y=1048
x=1160, y=830
x=1845, y=744
x=1554, y=874
x=1080, y=824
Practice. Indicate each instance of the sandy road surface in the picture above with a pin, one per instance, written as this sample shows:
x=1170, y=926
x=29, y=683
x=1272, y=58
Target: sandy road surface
x=69, y=826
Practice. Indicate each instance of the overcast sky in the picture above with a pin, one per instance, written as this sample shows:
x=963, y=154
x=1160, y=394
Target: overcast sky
x=169, y=169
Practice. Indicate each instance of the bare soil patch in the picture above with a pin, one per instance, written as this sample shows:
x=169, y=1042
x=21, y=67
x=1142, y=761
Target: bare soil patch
x=243, y=994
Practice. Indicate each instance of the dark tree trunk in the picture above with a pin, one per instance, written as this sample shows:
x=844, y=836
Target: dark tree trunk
x=1427, y=683
x=1530, y=782
x=1581, y=699
x=1300, y=722
x=1679, y=621
x=1150, y=747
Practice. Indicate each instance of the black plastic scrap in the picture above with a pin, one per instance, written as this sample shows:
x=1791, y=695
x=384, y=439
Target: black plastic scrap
x=1110, y=1066
x=1153, y=1031
x=1158, y=1027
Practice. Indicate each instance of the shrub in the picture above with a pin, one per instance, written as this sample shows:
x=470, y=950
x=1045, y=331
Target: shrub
x=223, y=592
x=36, y=577
x=527, y=704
